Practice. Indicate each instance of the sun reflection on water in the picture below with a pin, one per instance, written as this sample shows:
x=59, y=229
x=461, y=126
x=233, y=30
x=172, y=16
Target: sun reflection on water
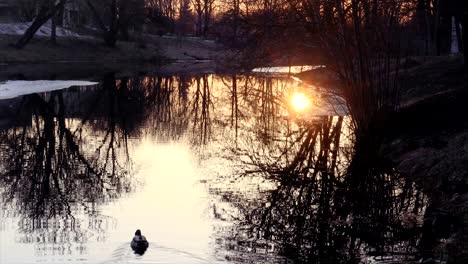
x=299, y=101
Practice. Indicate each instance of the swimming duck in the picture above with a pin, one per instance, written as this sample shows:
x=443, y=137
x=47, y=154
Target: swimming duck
x=139, y=243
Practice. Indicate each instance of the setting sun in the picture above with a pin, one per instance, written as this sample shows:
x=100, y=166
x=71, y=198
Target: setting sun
x=299, y=101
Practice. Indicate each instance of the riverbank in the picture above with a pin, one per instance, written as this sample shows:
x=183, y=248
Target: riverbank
x=426, y=141
x=82, y=57
x=427, y=138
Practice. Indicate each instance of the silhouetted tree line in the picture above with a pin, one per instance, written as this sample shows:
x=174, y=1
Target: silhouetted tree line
x=425, y=25
x=434, y=19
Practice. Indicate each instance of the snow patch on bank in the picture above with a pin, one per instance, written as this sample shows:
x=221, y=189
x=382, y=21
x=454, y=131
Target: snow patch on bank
x=12, y=89
x=45, y=30
x=287, y=69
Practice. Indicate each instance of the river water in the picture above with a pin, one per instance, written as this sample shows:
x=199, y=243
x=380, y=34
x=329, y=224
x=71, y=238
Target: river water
x=212, y=168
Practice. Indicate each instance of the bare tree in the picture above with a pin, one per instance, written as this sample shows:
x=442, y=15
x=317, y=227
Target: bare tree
x=185, y=17
x=362, y=39
x=204, y=12
x=168, y=8
x=109, y=31
x=465, y=32
x=47, y=10
x=26, y=9
x=197, y=4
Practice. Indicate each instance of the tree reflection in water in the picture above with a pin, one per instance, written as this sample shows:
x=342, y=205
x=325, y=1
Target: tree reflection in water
x=67, y=153
x=316, y=197
x=326, y=201
x=176, y=105
x=58, y=163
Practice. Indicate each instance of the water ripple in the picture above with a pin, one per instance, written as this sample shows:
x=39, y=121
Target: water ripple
x=155, y=254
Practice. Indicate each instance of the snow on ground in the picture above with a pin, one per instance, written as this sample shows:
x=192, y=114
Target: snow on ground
x=45, y=30
x=12, y=89
x=287, y=69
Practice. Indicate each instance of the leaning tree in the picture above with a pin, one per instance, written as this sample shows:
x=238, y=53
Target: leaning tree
x=47, y=9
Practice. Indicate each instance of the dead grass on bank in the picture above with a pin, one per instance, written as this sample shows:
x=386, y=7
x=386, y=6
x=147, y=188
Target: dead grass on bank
x=143, y=48
x=72, y=49
x=88, y=57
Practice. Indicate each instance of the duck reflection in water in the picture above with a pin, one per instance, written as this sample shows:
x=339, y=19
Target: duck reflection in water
x=139, y=243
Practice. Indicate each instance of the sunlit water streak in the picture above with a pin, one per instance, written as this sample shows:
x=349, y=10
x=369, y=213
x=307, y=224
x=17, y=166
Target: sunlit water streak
x=161, y=167
x=155, y=254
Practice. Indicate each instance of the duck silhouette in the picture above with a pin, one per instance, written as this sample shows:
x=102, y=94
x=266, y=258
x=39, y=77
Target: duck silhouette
x=139, y=243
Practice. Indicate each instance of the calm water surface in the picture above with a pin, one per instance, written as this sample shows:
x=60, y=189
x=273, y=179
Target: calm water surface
x=212, y=169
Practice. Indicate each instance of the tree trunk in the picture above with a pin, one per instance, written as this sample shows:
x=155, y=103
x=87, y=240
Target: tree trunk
x=110, y=38
x=199, y=24
x=206, y=16
x=235, y=25
x=109, y=35
x=124, y=20
x=53, y=34
x=430, y=31
x=437, y=28
x=465, y=37
x=29, y=34
x=45, y=13
x=461, y=47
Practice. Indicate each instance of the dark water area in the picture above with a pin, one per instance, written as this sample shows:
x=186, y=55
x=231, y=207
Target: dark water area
x=212, y=169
